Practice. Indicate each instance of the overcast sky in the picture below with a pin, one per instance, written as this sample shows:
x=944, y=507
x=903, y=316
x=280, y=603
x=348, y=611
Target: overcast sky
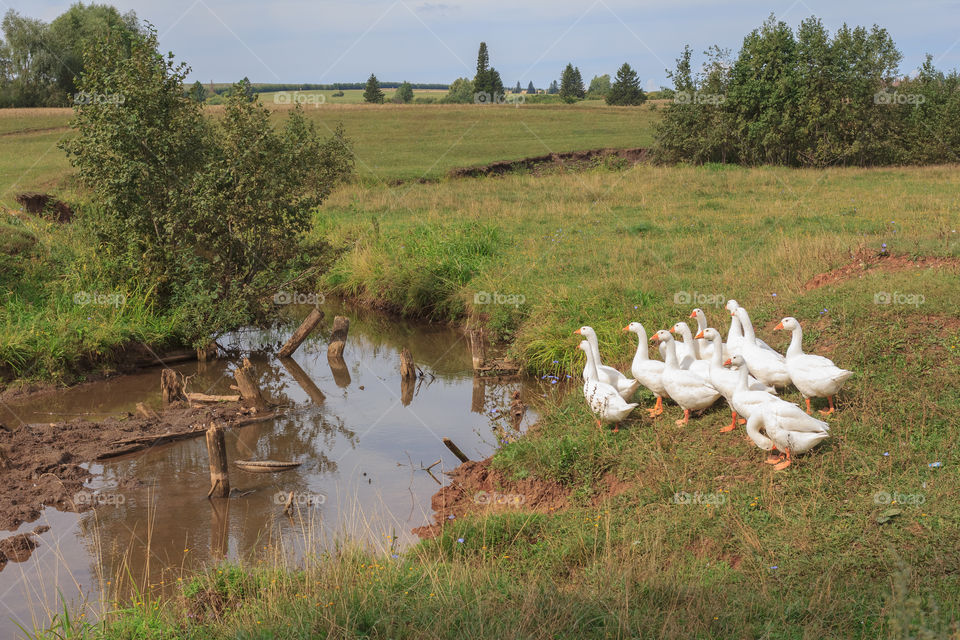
x=437, y=40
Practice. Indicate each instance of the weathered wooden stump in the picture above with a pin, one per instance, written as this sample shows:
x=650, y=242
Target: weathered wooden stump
x=219, y=476
x=338, y=338
x=407, y=368
x=249, y=391
x=479, y=397
x=171, y=386
x=308, y=324
x=407, y=387
x=208, y=352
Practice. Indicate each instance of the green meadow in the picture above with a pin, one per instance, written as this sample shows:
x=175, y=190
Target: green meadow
x=817, y=550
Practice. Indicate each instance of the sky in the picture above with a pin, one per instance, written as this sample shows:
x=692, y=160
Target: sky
x=294, y=41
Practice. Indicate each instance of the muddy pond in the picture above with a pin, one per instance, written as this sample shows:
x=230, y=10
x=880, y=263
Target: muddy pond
x=362, y=449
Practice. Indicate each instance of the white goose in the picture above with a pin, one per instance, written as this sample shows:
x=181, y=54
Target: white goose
x=736, y=333
x=688, y=389
x=624, y=385
x=767, y=365
x=648, y=372
x=603, y=399
x=785, y=422
x=727, y=380
x=705, y=346
x=815, y=376
x=688, y=354
x=782, y=433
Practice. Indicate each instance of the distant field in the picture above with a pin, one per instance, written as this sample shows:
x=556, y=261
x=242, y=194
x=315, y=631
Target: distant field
x=391, y=142
x=351, y=96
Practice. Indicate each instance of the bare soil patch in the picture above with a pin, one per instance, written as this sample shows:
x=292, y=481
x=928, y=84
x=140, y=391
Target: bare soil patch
x=870, y=262
x=570, y=160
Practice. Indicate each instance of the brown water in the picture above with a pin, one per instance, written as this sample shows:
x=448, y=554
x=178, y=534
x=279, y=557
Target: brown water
x=362, y=451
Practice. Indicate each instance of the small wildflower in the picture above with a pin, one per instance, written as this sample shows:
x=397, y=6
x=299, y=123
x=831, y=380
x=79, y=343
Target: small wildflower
x=460, y=540
x=935, y=464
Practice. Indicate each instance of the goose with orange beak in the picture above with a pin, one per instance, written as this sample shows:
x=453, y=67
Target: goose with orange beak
x=604, y=401
x=814, y=376
x=648, y=372
x=688, y=389
x=725, y=380
x=624, y=385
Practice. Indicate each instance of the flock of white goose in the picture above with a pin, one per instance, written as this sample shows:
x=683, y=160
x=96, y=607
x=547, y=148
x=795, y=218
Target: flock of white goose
x=694, y=373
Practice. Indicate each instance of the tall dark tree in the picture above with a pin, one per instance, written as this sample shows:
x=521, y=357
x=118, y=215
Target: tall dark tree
x=554, y=89
x=372, y=92
x=530, y=88
x=626, y=90
x=571, y=84
x=198, y=92
x=483, y=62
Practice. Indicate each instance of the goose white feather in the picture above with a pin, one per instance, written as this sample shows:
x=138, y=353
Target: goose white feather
x=648, y=372
x=814, y=376
x=604, y=401
x=688, y=389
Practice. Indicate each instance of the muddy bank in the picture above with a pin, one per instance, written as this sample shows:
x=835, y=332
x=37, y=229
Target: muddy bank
x=570, y=160
x=864, y=262
x=46, y=464
x=478, y=488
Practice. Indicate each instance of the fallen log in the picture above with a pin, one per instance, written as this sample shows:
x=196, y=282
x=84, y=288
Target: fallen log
x=143, y=412
x=461, y=456
x=202, y=397
x=308, y=324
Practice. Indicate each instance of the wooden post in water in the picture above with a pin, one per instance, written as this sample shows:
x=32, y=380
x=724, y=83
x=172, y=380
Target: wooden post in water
x=461, y=456
x=249, y=391
x=477, y=348
x=308, y=324
x=217, y=450
x=338, y=339
x=407, y=368
x=171, y=386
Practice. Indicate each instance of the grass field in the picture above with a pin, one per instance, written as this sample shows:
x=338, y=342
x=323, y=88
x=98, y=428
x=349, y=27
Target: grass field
x=795, y=554
x=350, y=96
x=391, y=142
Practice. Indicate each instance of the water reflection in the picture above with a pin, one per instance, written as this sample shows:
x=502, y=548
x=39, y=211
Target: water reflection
x=363, y=436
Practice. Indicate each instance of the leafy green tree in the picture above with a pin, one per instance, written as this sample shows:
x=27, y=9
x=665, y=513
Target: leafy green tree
x=599, y=86
x=487, y=84
x=571, y=84
x=197, y=93
x=202, y=213
x=404, y=93
x=530, y=88
x=372, y=93
x=460, y=92
x=626, y=90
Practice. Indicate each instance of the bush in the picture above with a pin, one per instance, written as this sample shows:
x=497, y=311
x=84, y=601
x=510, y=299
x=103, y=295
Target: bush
x=809, y=99
x=205, y=214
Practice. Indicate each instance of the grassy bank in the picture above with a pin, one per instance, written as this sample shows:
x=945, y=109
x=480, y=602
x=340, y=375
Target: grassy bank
x=671, y=532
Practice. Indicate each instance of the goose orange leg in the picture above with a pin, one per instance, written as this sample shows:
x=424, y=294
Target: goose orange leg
x=657, y=408
x=686, y=418
x=828, y=411
x=785, y=463
x=774, y=457
x=732, y=425
x=809, y=410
